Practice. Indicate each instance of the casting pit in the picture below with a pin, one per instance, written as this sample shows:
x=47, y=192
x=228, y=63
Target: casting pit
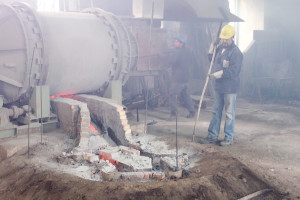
x=114, y=152
x=216, y=176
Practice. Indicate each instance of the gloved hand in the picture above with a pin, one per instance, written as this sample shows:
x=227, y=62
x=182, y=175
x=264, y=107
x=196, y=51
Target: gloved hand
x=215, y=75
x=211, y=77
x=225, y=63
x=214, y=43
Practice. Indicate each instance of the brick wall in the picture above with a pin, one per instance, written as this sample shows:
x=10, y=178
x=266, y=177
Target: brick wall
x=111, y=115
x=74, y=119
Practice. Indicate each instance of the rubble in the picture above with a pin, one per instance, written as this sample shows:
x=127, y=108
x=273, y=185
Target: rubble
x=169, y=163
x=110, y=114
x=126, y=161
x=150, y=146
x=142, y=158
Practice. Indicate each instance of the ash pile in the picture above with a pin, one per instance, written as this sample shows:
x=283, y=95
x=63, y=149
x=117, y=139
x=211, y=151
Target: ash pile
x=107, y=149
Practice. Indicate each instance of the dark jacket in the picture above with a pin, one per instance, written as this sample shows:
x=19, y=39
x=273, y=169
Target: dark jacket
x=180, y=61
x=230, y=81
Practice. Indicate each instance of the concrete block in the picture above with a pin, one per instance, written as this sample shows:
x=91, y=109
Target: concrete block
x=7, y=150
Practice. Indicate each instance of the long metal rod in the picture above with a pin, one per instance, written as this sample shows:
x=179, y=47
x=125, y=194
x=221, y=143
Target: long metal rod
x=29, y=109
x=28, y=132
x=176, y=135
x=147, y=85
x=206, y=82
x=41, y=99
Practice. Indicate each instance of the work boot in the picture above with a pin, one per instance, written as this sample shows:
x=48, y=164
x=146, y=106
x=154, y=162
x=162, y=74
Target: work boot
x=226, y=142
x=208, y=141
x=190, y=115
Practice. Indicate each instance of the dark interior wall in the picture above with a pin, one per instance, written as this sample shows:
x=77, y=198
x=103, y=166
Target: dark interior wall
x=272, y=63
x=283, y=17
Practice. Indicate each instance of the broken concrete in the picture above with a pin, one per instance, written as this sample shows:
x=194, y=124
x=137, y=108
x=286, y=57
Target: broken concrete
x=150, y=146
x=10, y=146
x=74, y=118
x=169, y=163
x=126, y=161
x=7, y=150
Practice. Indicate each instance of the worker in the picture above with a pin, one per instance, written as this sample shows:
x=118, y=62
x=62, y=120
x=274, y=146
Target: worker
x=227, y=67
x=180, y=62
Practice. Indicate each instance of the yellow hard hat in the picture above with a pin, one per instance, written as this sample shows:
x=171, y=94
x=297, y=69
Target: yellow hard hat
x=227, y=32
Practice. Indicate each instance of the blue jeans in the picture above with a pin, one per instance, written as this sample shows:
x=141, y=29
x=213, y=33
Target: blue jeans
x=228, y=101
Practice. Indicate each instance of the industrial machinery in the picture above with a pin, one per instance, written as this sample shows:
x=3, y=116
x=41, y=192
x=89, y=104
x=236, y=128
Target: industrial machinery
x=46, y=54
x=58, y=53
x=70, y=52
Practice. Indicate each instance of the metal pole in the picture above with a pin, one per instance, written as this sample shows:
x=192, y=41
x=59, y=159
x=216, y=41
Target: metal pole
x=147, y=89
x=41, y=99
x=176, y=136
x=206, y=82
x=29, y=108
x=28, y=131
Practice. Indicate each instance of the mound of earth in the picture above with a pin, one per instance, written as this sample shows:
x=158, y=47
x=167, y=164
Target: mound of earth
x=216, y=176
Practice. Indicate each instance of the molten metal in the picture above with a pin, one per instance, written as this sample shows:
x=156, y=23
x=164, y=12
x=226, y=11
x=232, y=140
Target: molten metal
x=94, y=129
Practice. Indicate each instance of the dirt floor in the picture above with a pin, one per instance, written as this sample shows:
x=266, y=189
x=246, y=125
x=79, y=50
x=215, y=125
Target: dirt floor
x=265, y=155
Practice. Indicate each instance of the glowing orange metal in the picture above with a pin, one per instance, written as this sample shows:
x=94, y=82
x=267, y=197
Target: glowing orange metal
x=64, y=95
x=94, y=129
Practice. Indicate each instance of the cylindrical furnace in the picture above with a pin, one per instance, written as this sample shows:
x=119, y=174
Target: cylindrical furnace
x=70, y=52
